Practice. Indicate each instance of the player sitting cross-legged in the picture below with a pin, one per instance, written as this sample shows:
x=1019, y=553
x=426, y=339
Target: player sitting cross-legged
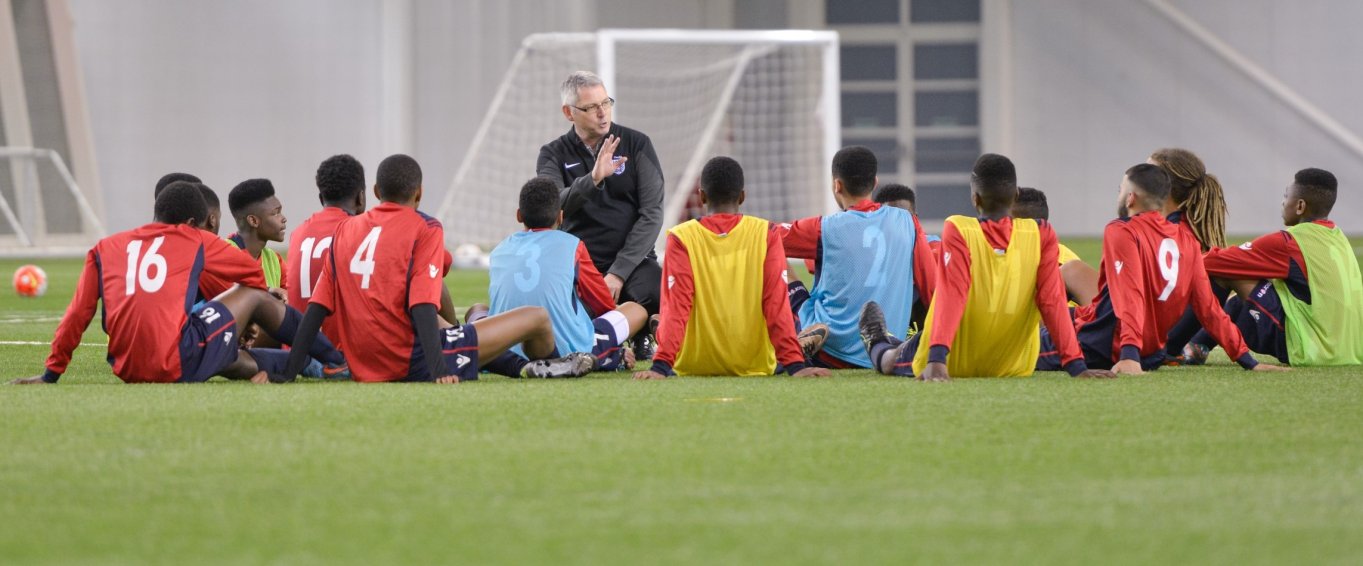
x=1000, y=278
x=382, y=279
x=1151, y=271
x=1300, y=293
x=866, y=252
x=724, y=304
x=546, y=267
x=148, y=279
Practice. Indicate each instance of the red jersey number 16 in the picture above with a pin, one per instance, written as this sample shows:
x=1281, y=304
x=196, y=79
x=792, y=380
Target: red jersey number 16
x=140, y=267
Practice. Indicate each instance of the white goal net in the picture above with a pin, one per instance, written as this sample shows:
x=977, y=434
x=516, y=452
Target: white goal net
x=766, y=98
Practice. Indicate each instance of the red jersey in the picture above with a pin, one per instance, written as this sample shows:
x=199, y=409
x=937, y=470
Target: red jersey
x=679, y=293
x=1049, y=294
x=1271, y=256
x=1151, y=272
x=380, y=265
x=148, y=279
x=307, y=245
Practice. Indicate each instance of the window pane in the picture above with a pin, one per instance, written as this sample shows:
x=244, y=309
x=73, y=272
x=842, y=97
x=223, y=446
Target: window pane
x=959, y=108
x=941, y=201
x=933, y=11
x=945, y=155
x=862, y=11
x=869, y=110
x=868, y=63
x=886, y=150
x=946, y=61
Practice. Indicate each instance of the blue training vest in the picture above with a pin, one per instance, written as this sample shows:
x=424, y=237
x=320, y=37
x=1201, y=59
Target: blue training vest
x=540, y=269
x=863, y=256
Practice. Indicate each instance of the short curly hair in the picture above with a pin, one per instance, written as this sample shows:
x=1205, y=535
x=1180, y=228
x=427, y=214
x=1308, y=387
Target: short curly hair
x=340, y=178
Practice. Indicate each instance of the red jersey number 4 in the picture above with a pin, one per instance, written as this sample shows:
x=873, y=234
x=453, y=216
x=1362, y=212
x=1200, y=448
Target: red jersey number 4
x=362, y=263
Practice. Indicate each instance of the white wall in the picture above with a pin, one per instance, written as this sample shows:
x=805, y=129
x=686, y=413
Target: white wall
x=227, y=91
x=263, y=88
x=1099, y=85
x=259, y=88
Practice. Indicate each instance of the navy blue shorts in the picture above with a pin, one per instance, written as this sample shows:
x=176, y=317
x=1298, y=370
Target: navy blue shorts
x=459, y=345
x=209, y=342
x=903, y=363
x=1049, y=357
x=611, y=331
x=1260, y=320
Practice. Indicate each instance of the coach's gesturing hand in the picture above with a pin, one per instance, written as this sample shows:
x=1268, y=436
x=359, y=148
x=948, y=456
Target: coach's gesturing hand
x=605, y=160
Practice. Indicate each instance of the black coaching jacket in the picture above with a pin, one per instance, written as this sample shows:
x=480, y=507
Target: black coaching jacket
x=619, y=219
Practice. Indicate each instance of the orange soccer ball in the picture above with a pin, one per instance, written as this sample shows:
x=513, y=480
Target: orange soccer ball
x=30, y=281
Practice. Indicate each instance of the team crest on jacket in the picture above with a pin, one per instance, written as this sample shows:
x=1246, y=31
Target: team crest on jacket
x=618, y=162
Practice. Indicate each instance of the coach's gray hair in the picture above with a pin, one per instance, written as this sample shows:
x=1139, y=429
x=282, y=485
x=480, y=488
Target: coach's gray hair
x=575, y=82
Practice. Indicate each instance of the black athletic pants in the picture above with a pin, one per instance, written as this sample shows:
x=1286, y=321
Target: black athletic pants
x=644, y=286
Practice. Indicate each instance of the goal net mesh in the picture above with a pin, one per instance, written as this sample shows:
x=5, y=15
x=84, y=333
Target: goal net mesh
x=758, y=102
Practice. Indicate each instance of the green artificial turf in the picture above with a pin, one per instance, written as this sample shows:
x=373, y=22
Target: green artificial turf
x=1186, y=465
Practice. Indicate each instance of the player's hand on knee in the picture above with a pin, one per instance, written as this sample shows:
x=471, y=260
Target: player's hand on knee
x=813, y=372
x=1129, y=367
x=648, y=375
x=1098, y=373
x=35, y=380
x=935, y=371
x=1269, y=367
x=278, y=293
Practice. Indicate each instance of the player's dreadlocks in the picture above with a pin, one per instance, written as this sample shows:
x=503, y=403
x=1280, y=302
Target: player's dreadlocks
x=1197, y=193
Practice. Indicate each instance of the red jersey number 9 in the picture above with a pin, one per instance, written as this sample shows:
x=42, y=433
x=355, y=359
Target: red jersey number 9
x=1168, y=266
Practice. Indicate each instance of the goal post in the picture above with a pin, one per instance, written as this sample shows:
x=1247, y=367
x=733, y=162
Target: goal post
x=769, y=99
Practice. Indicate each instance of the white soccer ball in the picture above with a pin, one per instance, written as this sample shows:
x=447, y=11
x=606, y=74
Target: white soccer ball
x=468, y=256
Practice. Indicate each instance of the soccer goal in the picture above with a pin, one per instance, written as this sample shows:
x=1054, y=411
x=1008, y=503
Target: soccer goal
x=42, y=210
x=766, y=98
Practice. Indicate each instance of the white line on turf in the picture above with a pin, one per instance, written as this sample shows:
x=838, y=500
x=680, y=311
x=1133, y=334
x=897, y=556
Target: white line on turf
x=25, y=343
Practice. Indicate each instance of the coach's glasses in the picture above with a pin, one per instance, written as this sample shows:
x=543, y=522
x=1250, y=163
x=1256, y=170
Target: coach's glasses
x=603, y=105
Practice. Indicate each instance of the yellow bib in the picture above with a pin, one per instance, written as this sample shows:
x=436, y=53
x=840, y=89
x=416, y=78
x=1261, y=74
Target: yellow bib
x=727, y=332
x=999, y=335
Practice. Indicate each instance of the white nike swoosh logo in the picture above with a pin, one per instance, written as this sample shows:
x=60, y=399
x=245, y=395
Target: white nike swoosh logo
x=572, y=165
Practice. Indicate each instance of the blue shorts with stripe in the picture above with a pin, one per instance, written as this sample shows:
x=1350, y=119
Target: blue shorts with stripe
x=208, y=343
x=459, y=345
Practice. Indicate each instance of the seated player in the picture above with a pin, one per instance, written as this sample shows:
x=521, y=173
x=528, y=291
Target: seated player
x=340, y=188
x=896, y=195
x=212, y=223
x=169, y=178
x=382, y=278
x=546, y=267
x=867, y=252
x=1081, y=281
x=1000, y=278
x=1300, y=293
x=260, y=220
x=724, y=306
x=1151, y=271
x=147, y=279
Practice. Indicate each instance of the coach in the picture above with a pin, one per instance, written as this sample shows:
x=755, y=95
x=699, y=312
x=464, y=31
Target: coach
x=611, y=188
